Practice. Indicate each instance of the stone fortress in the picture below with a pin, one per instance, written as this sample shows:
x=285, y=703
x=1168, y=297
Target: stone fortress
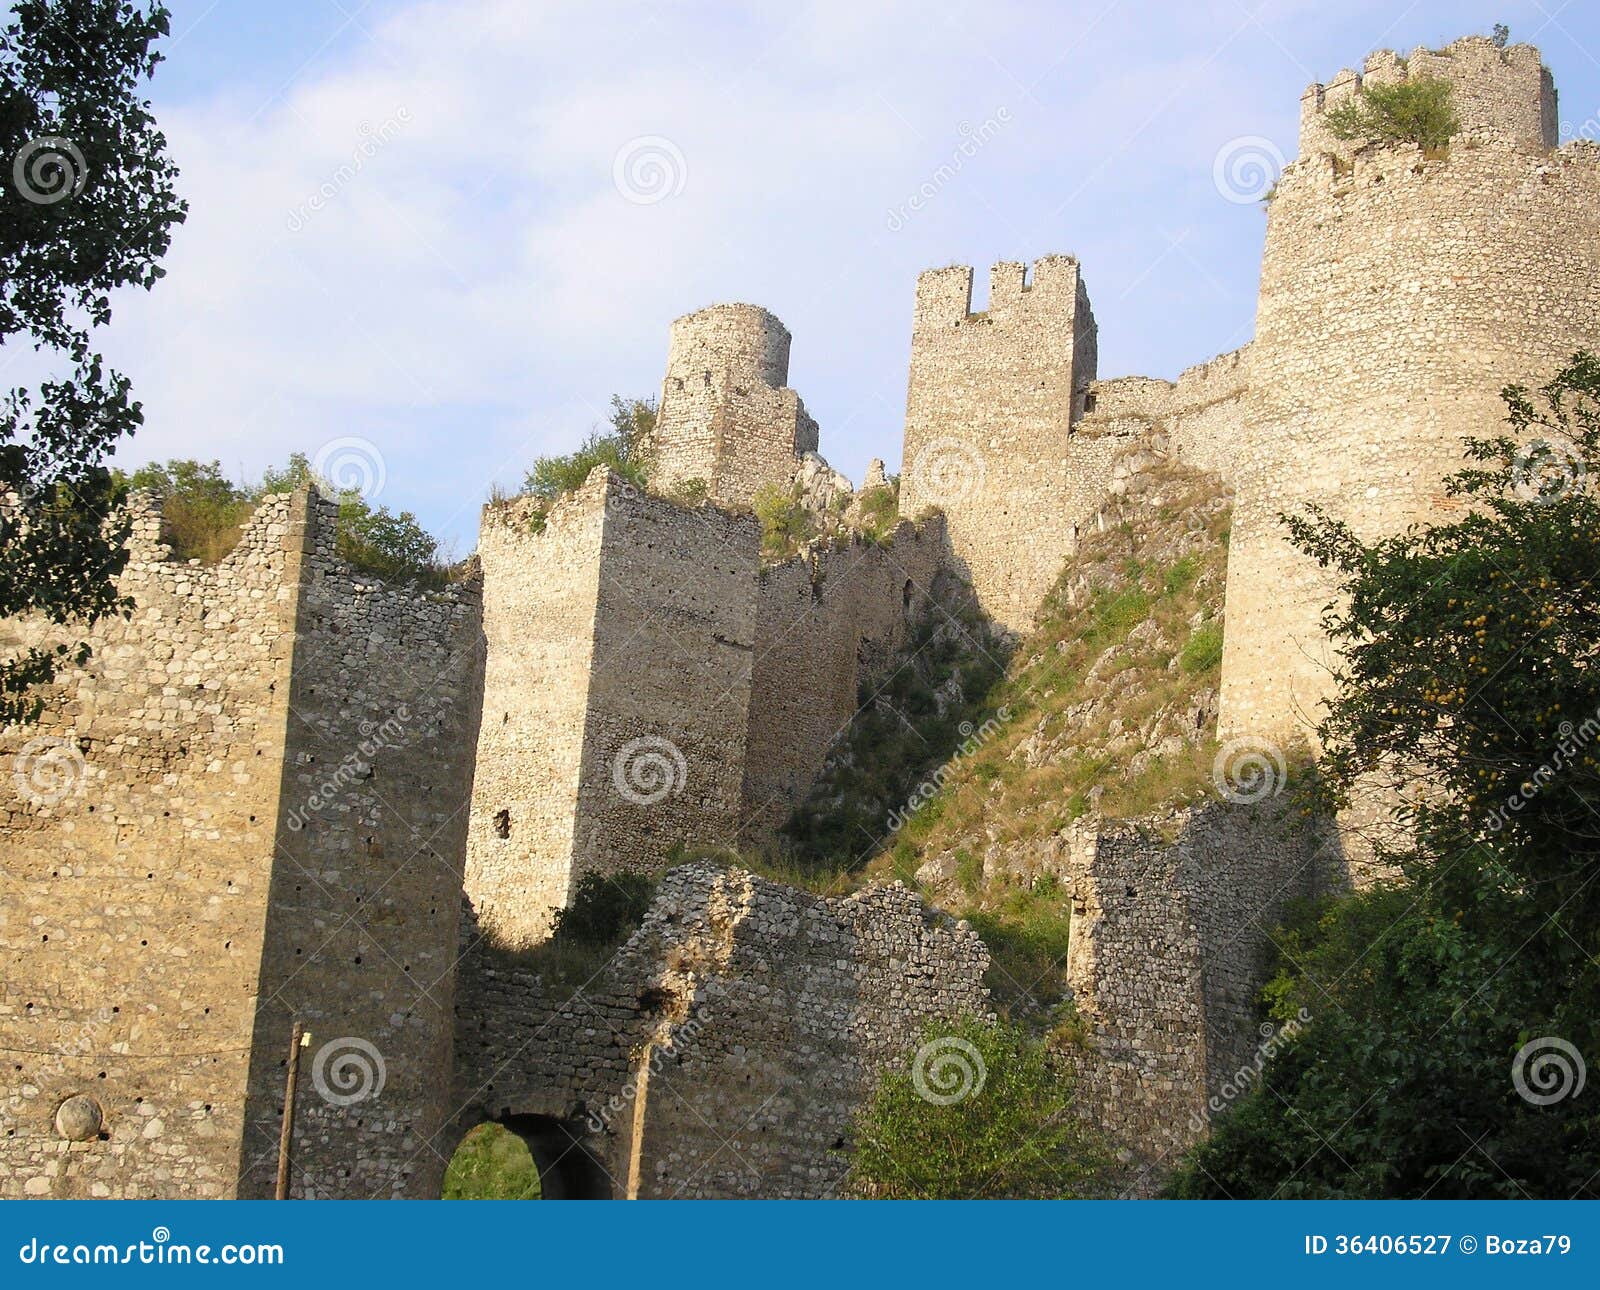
x=265, y=796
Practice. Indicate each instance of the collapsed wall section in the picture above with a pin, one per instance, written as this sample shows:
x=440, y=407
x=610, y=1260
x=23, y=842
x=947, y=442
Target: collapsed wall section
x=991, y=406
x=726, y=1050
x=1168, y=941
x=828, y=622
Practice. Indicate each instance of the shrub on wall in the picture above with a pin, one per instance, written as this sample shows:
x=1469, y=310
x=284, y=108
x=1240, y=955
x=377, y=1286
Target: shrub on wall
x=624, y=448
x=1418, y=111
x=979, y=1112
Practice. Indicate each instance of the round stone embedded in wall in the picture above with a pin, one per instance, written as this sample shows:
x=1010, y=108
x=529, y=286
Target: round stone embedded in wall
x=79, y=1118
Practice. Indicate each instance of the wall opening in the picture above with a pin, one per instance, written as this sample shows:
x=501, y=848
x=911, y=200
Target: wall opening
x=526, y=1157
x=502, y=824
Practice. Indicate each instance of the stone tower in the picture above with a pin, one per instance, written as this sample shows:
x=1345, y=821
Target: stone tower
x=1400, y=291
x=991, y=406
x=726, y=417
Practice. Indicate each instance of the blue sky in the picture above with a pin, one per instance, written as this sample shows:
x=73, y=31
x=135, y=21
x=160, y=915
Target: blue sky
x=408, y=225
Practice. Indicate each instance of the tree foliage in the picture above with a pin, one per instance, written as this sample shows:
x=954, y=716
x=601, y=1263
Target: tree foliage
x=1419, y=111
x=981, y=1112
x=625, y=447
x=1468, y=666
x=87, y=191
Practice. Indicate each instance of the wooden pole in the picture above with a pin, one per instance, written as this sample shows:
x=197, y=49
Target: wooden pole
x=297, y=1040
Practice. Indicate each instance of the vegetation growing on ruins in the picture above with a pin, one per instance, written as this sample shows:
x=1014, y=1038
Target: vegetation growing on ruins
x=93, y=211
x=624, y=447
x=787, y=523
x=605, y=910
x=202, y=513
x=981, y=1111
x=1419, y=111
x=879, y=509
x=1451, y=1018
x=492, y=1163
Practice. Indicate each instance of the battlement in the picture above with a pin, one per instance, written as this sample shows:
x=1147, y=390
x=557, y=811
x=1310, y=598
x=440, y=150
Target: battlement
x=944, y=296
x=1498, y=92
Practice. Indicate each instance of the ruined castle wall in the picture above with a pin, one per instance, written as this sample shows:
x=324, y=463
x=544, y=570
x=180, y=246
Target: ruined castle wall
x=1396, y=300
x=1201, y=416
x=730, y=1045
x=135, y=860
x=828, y=622
x=990, y=407
x=539, y=596
x=361, y=937
x=726, y=417
x=1168, y=943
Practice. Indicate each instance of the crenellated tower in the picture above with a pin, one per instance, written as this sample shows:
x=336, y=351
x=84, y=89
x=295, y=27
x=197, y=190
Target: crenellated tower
x=991, y=406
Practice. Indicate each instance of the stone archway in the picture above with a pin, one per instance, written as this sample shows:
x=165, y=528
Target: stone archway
x=566, y=1168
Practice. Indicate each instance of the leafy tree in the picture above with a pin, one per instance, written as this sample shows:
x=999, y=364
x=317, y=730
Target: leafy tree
x=202, y=508
x=625, y=448
x=981, y=1112
x=1452, y=1016
x=604, y=907
x=1418, y=111
x=89, y=205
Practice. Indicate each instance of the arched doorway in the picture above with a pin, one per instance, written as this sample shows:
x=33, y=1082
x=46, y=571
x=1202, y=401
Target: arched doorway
x=525, y=1157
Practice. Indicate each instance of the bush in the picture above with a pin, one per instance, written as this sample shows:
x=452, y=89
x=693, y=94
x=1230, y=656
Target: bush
x=980, y=1112
x=880, y=510
x=786, y=524
x=202, y=511
x=604, y=908
x=1417, y=111
x=624, y=448
x=1203, y=650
